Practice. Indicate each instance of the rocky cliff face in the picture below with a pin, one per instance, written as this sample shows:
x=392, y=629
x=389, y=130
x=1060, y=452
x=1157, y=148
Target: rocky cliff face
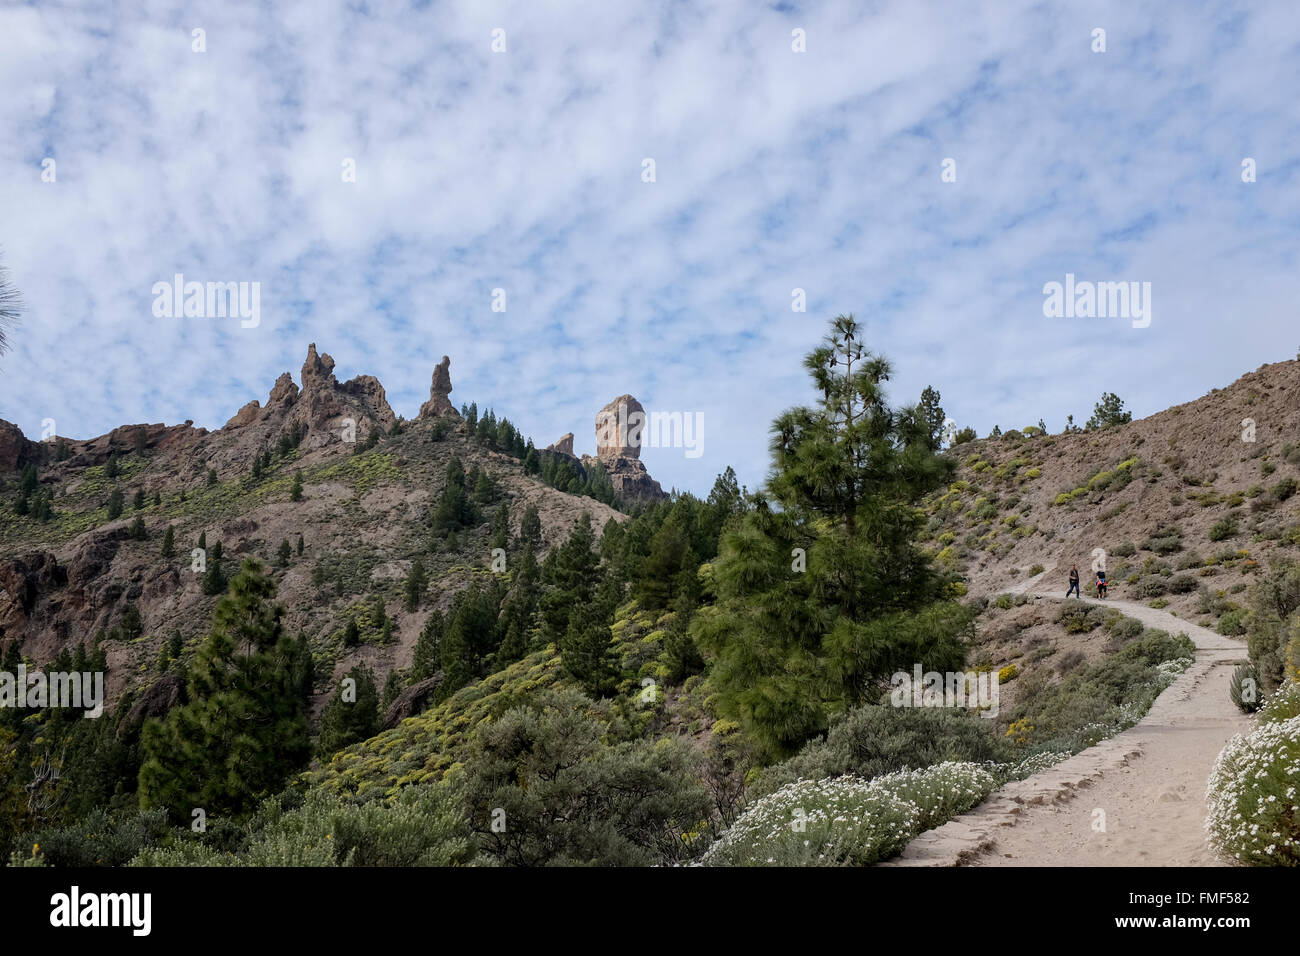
x=82, y=575
x=16, y=450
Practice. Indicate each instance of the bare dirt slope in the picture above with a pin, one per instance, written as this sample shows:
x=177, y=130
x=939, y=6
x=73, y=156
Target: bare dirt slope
x=1145, y=786
x=1188, y=504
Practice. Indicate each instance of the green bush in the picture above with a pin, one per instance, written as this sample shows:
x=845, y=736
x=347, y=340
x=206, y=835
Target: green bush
x=877, y=739
x=1166, y=544
x=1079, y=618
x=1283, y=490
x=1223, y=529
x=1125, y=549
x=1101, y=699
x=1232, y=623
x=1244, y=688
x=421, y=826
x=101, y=838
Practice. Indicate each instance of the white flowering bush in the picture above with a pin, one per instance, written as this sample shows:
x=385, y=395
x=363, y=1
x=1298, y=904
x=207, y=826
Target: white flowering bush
x=1037, y=763
x=1252, y=796
x=1282, y=704
x=848, y=821
x=1167, y=671
x=841, y=821
x=941, y=792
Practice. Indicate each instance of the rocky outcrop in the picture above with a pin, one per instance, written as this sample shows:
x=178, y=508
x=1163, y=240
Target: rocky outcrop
x=246, y=415
x=367, y=390
x=317, y=371
x=628, y=476
x=438, y=405
x=16, y=449
x=161, y=696
x=411, y=701
x=323, y=404
x=23, y=579
x=564, y=446
x=618, y=429
x=284, y=391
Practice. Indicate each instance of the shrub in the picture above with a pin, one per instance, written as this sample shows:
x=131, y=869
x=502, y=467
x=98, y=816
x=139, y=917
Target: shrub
x=1282, y=704
x=1164, y=540
x=1125, y=549
x=1008, y=673
x=1223, y=529
x=421, y=826
x=1078, y=618
x=1251, y=796
x=1101, y=699
x=101, y=838
x=1151, y=586
x=943, y=791
x=1036, y=570
x=845, y=821
x=876, y=739
x=1069, y=661
x=1244, y=688
x=1182, y=584
x=1232, y=623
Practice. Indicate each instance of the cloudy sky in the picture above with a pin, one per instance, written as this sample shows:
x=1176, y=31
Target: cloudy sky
x=524, y=170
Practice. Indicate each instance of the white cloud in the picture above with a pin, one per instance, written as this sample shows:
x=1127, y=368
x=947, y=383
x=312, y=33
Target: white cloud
x=522, y=171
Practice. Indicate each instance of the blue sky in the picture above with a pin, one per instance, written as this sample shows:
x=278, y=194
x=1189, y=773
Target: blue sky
x=522, y=170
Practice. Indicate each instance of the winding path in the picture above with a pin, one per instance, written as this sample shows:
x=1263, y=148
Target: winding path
x=1145, y=786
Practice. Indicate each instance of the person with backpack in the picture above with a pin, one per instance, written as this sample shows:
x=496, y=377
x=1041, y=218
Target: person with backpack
x=1101, y=584
x=1074, y=583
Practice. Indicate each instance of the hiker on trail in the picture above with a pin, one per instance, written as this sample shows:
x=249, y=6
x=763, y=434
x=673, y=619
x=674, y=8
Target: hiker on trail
x=1074, y=583
x=1101, y=584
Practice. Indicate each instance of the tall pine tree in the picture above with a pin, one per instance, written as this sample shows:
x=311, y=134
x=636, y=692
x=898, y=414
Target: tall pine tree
x=244, y=730
x=826, y=595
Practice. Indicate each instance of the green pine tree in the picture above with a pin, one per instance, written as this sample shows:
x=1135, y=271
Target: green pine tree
x=501, y=527
x=295, y=493
x=416, y=581
x=169, y=542
x=352, y=714
x=428, y=653
x=243, y=732
x=214, y=578
x=1108, y=412
x=824, y=596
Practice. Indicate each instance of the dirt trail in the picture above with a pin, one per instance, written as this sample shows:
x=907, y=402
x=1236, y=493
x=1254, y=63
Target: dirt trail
x=1148, y=782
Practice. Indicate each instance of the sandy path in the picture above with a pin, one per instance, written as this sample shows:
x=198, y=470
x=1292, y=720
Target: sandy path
x=1148, y=782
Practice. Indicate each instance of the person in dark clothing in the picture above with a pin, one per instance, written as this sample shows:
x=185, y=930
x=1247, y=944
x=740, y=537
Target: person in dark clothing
x=1101, y=584
x=1074, y=583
